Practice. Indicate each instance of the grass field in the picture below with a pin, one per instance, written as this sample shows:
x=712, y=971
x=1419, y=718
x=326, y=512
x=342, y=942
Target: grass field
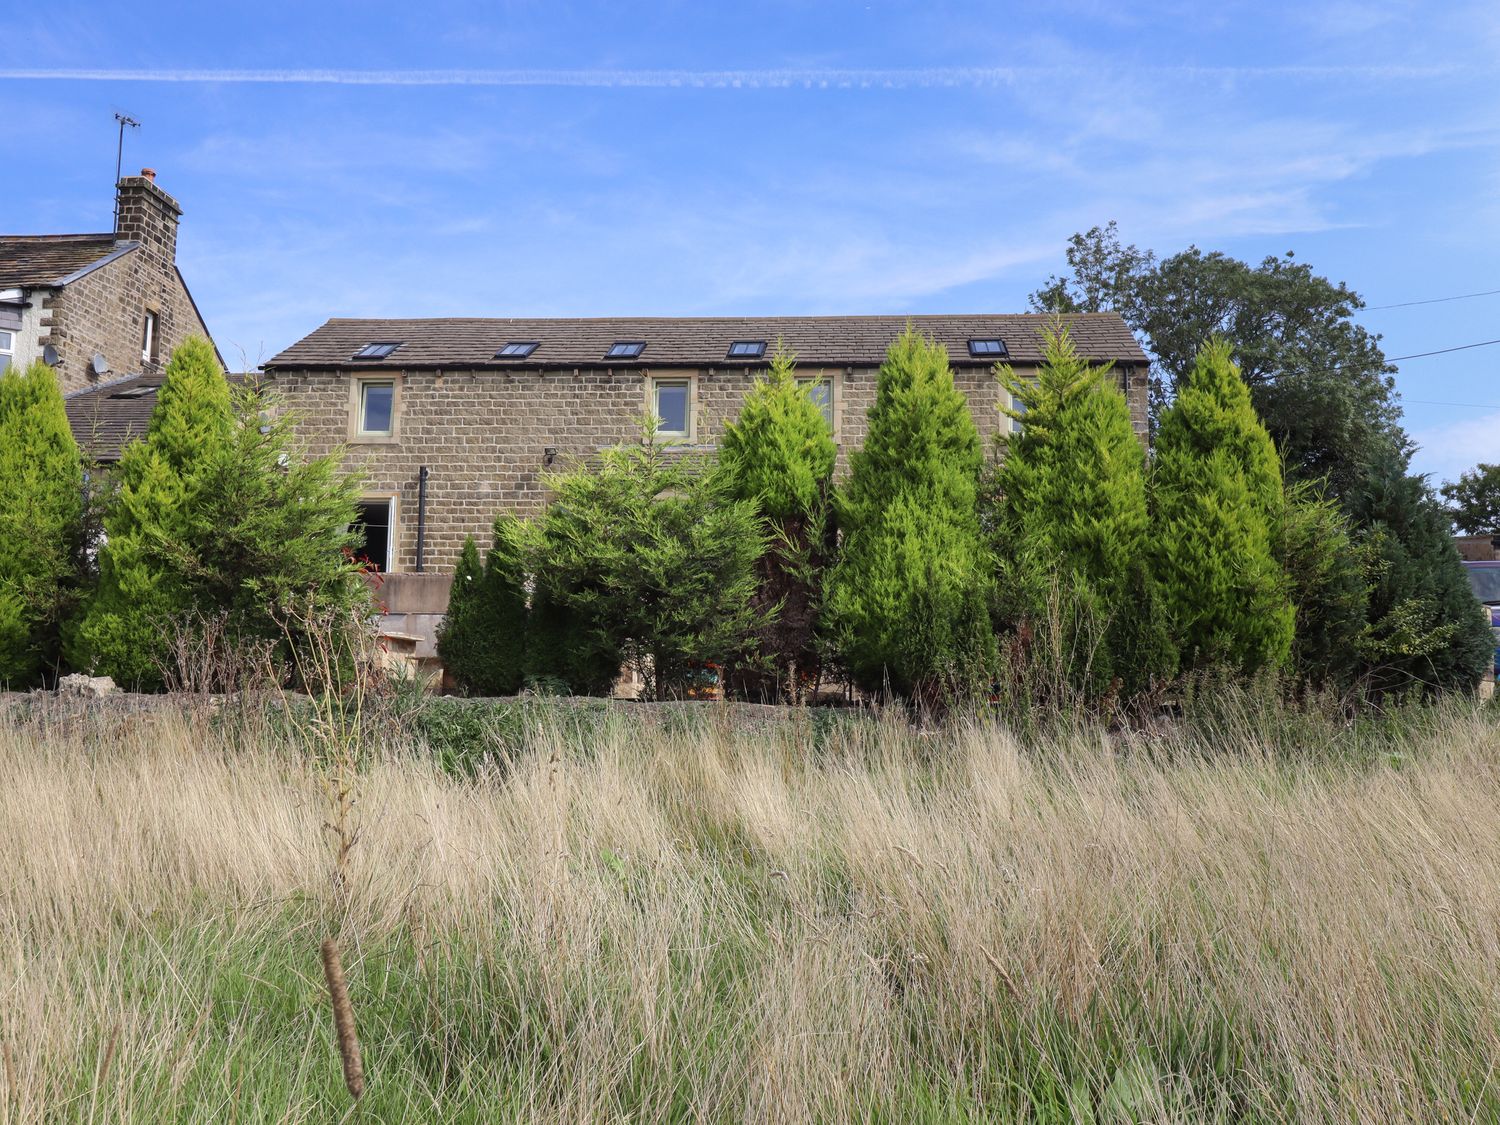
x=664, y=923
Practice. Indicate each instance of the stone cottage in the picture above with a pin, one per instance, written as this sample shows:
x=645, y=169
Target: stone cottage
x=454, y=420
x=99, y=308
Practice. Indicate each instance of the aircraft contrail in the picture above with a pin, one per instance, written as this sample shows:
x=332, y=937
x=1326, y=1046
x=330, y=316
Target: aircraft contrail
x=769, y=79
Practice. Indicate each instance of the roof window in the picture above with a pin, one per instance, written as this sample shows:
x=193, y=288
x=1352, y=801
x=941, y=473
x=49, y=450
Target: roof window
x=517, y=349
x=747, y=349
x=989, y=347
x=135, y=392
x=378, y=349
x=625, y=349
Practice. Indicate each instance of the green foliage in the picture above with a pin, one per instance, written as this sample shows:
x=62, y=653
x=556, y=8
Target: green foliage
x=908, y=599
x=219, y=517
x=1218, y=500
x=1072, y=520
x=655, y=552
x=41, y=519
x=1319, y=381
x=779, y=455
x=778, y=451
x=1474, y=500
x=1328, y=566
x=482, y=641
x=1426, y=631
x=563, y=654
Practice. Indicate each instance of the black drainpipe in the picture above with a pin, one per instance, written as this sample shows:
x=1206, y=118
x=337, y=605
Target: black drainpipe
x=421, y=515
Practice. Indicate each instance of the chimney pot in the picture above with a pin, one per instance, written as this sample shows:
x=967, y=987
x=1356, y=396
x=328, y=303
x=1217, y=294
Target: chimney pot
x=149, y=173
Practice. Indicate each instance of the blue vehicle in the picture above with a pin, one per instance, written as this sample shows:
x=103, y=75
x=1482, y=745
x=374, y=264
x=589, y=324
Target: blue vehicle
x=1484, y=578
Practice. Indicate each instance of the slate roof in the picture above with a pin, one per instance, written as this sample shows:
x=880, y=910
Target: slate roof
x=106, y=417
x=28, y=260
x=691, y=341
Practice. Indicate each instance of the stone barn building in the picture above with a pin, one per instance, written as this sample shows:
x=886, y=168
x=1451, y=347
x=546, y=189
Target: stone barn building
x=454, y=420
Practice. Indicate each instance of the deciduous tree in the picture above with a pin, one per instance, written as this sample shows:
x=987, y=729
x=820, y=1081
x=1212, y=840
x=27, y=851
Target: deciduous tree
x=1474, y=500
x=1319, y=381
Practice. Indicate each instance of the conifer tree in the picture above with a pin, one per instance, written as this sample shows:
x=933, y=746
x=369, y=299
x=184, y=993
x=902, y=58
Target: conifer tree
x=122, y=632
x=1073, y=519
x=908, y=600
x=482, y=641
x=1425, y=630
x=779, y=454
x=218, y=515
x=1218, y=499
x=41, y=516
x=655, y=553
x=564, y=652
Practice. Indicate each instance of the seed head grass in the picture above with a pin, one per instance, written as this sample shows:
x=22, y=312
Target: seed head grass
x=698, y=922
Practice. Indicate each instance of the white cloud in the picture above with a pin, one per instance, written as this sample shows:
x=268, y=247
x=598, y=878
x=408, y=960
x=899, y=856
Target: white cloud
x=1446, y=451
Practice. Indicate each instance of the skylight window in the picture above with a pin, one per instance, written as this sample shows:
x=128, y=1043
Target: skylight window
x=377, y=350
x=990, y=347
x=747, y=349
x=134, y=392
x=517, y=349
x=625, y=349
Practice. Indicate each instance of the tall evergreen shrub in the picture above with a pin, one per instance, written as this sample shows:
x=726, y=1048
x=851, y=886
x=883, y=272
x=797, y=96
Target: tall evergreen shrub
x=1218, y=499
x=908, y=600
x=654, y=551
x=41, y=515
x=482, y=641
x=1425, y=631
x=779, y=454
x=1073, y=521
x=1328, y=566
x=123, y=629
x=219, y=517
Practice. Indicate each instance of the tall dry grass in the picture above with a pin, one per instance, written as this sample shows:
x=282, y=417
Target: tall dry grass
x=704, y=925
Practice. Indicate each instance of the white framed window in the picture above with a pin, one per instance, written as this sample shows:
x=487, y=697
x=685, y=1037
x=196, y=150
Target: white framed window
x=375, y=521
x=148, y=337
x=1009, y=424
x=820, y=390
x=672, y=401
x=377, y=408
x=7, y=348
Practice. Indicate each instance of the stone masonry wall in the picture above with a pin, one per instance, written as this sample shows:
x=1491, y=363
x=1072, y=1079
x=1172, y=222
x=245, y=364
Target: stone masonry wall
x=483, y=434
x=104, y=311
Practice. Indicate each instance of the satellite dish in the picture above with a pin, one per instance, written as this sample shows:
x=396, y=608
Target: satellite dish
x=49, y=356
x=98, y=365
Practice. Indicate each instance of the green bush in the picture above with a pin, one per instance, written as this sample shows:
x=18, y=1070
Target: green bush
x=482, y=641
x=1426, y=633
x=652, y=549
x=1218, y=499
x=1072, y=521
x=41, y=522
x=221, y=526
x=1328, y=567
x=564, y=656
x=908, y=599
x=780, y=454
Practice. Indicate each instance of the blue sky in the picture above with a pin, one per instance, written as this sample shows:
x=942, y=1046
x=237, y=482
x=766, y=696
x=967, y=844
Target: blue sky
x=343, y=159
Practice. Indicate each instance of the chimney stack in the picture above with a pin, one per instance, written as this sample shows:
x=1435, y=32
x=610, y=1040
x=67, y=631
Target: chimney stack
x=147, y=215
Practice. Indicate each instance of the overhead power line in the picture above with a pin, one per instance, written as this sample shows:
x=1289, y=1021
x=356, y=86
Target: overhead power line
x=1434, y=402
x=1433, y=300
x=1442, y=351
